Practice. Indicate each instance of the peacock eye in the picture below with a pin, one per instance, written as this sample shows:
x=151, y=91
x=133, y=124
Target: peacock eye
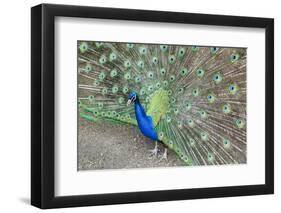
x=137, y=79
x=113, y=73
x=150, y=74
x=96, y=82
x=226, y=143
x=140, y=64
x=211, y=98
x=168, y=119
x=171, y=59
x=102, y=59
x=163, y=71
x=88, y=67
x=195, y=92
x=115, y=89
x=195, y=49
x=158, y=85
x=210, y=157
x=188, y=105
x=130, y=46
x=233, y=88
x=125, y=89
x=183, y=71
x=180, y=90
x=234, y=57
x=142, y=50
x=204, y=136
x=102, y=76
x=226, y=108
x=181, y=52
x=172, y=78
x=127, y=76
x=200, y=72
x=214, y=50
x=154, y=60
x=240, y=123
x=127, y=64
x=91, y=97
x=192, y=142
x=163, y=48
x=142, y=91
x=104, y=91
x=150, y=88
x=112, y=56
x=83, y=47
x=170, y=92
x=217, y=78
x=190, y=123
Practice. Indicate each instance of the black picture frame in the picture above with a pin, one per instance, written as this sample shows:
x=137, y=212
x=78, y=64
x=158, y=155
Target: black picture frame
x=43, y=102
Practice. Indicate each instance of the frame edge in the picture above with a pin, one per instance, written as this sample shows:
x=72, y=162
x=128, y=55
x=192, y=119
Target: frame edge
x=36, y=156
x=42, y=112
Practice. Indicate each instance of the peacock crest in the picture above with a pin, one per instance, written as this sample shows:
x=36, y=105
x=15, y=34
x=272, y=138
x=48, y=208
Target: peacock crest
x=195, y=96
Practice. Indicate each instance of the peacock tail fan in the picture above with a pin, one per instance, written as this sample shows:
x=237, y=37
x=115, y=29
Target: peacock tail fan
x=195, y=95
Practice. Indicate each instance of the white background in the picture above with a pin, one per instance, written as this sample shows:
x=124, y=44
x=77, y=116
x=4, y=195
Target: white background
x=15, y=106
x=70, y=182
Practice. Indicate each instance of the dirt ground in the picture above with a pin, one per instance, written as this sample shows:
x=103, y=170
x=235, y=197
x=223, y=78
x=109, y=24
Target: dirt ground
x=111, y=146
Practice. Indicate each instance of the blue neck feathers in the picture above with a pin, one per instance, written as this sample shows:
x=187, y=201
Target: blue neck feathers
x=145, y=123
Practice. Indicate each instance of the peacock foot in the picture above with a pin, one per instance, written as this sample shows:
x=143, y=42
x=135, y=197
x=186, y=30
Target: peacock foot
x=164, y=156
x=154, y=152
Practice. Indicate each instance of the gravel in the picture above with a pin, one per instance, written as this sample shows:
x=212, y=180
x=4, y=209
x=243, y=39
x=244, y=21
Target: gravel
x=110, y=146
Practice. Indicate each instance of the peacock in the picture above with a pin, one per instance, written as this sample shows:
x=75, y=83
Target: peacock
x=192, y=99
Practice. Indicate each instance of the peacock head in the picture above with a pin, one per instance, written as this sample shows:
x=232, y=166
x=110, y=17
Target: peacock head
x=132, y=97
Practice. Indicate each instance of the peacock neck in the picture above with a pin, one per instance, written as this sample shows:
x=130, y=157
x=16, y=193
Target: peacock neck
x=139, y=110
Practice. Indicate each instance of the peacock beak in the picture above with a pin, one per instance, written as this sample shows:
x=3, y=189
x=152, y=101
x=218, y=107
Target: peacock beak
x=129, y=102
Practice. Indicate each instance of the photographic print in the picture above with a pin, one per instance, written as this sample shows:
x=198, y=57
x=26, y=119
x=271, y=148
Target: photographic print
x=160, y=105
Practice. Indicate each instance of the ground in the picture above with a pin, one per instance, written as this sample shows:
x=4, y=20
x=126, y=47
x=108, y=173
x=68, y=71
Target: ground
x=111, y=146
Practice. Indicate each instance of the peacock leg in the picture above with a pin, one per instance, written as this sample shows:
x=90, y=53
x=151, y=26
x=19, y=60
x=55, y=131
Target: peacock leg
x=154, y=152
x=164, y=156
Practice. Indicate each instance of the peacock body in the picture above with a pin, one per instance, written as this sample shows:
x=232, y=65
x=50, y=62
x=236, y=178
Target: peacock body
x=192, y=99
